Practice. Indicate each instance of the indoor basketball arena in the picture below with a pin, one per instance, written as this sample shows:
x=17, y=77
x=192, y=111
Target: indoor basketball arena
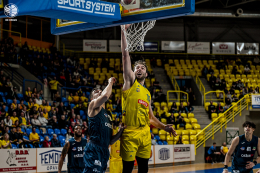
x=130, y=86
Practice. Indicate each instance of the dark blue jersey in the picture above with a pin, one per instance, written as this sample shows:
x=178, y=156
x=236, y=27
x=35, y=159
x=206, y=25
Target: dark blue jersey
x=100, y=128
x=244, y=152
x=75, y=153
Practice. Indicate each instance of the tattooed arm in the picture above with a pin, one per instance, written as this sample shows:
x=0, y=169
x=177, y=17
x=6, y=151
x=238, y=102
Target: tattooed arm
x=63, y=155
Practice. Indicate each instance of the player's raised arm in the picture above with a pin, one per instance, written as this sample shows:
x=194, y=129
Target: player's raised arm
x=128, y=74
x=258, y=158
x=231, y=150
x=155, y=122
x=102, y=96
x=63, y=155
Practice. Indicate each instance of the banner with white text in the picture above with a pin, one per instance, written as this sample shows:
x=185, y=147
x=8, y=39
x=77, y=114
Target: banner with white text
x=248, y=48
x=198, y=47
x=173, y=46
x=223, y=48
x=18, y=160
x=94, y=45
x=182, y=153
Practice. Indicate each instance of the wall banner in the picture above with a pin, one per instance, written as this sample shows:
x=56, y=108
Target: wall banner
x=223, y=48
x=95, y=45
x=248, y=48
x=198, y=47
x=182, y=153
x=173, y=46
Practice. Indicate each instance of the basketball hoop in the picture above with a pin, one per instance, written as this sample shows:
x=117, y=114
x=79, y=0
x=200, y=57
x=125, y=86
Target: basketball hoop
x=135, y=34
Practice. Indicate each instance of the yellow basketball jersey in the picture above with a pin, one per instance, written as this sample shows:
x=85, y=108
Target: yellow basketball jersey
x=115, y=149
x=135, y=105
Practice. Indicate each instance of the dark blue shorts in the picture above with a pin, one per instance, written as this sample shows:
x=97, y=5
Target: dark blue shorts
x=95, y=158
x=75, y=170
x=240, y=170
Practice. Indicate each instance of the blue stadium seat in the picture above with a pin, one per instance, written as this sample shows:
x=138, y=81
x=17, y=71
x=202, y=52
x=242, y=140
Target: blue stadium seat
x=6, y=93
x=28, y=131
x=63, y=132
x=165, y=143
x=14, y=146
x=63, y=99
x=62, y=139
x=57, y=131
x=160, y=143
x=50, y=131
x=38, y=131
x=84, y=117
x=18, y=101
x=81, y=112
x=66, y=104
x=6, y=108
x=2, y=94
x=41, y=138
x=40, y=145
x=49, y=104
x=26, y=137
x=26, y=103
x=4, y=99
x=23, y=130
x=87, y=94
x=31, y=146
x=20, y=96
x=9, y=101
x=157, y=137
x=72, y=106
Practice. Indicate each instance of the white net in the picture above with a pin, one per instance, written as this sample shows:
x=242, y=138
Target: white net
x=135, y=34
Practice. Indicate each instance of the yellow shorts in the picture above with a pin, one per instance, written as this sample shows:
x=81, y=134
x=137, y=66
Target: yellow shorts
x=135, y=142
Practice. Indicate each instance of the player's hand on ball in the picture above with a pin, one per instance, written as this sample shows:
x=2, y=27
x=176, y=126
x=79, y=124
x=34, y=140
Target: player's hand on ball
x=170, y=129
x=249, y=165
x=112, y=79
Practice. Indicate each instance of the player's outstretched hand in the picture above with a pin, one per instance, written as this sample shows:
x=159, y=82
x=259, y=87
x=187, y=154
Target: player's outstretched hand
x=170, y=129
x=126, y=26
x=249, y=165
x=225, y=171
x=258, y=171
x=112, y=79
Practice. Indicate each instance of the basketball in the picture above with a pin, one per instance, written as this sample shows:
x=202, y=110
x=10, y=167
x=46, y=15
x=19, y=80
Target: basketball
x=128, y=2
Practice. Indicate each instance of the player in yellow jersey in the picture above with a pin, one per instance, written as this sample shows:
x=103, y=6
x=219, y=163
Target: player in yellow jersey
x=137, y=113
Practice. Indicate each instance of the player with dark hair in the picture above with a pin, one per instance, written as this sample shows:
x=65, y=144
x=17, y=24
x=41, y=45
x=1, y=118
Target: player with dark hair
x=138, y=114
x=100, y=131
x=74, y=147
x=244, y=148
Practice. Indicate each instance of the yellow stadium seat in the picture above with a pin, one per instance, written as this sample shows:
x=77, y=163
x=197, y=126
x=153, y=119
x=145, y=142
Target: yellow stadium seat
x=184, y=104
x=187, y=120
x=170, y=138
x=214, y=115
x=91, y=70
x=159, y=62
x=180, y=128
x=155, y=131
x=185, y=138
x=193, y=121
x=162, y=135
x=170, y=105
x=176, y=138
x=192, y=139
x=164, y=104
x=170, y=142
x=178, y=132
x=201, y=135
x=193, y=132
x=184, y=115
x=196, y=126
x=207, y=105
x=185, y=132
x=188, y=127
x=164, y=121
x=190, y=115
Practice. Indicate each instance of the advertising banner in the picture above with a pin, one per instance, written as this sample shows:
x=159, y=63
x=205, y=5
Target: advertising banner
x=18, y=160
x=95, y=45
x=48, y=160
x=163, y=154
x=255, y=101
x=198, y=47
x=223, y=48
x=151, y=47
x=248, y=48
x=114, y=45
x=151, y=160
x=173, y=46
x=182, y=153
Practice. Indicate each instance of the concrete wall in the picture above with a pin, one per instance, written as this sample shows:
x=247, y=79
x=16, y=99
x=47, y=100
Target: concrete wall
x=219, y=137
x=198, y=95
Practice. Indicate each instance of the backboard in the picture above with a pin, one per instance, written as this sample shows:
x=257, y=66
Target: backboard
x=139, y=11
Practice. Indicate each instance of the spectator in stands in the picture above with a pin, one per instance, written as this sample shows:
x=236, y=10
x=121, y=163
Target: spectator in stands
x=226, y=107
x=211, y=109
x=8, y=85
x=241, y=95
x=256, y=61
x=34, y=138
x=235, y=99
x=212, y=152
x=251, y=90
x=46, y=143
x=223, y=151
x=153, y=140
x=72, y=126
x=43, y=121
x=34, y=92
x=63, y=123
x=71, y=98
x=223, y=84
x=240, y=85
x=79, y=120
x=11, y=110
x=30, y=104
x=69, y=134
x=229, y=95
x=256, y=90
x=174, y=108
x=8, y=122
x=54, y=84
x=23, y=143
x=246, y=70
x=217, y=85
x=3, y=111
x=5, y=143
x=228, y=101
x=62, y=108
x=189, y=108
x=12, y=94
x=182, y=108
x=219, y=109
x=23, y=121
x=73, y=118
x=35, y=122
x=234, y=70
x=245, y=90
x=13, y=136
x=212, y=80
x=52, y=112
x=38, y=100
x=55, y=142
x=14, y=118
x=205, y=71
x=220, y=96
x=85, y=128
x=179, y=140
x=171, y=119
x=180, y=121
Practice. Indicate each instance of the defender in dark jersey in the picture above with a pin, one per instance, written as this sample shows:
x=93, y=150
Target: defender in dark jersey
x=74, y=147
x=244, y=148
x=96, y=153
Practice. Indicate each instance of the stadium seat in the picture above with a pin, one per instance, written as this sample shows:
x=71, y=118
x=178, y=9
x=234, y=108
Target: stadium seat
x=193, y=121
x=63, y=99
x=38, y=131
x=9, y=101
x=186, y=142
x=61, y=139
x=20, y=96
x=165, y=143
x=192, y=139
x=2, y=94
x=196, y=126
x=84, y=117
x=14, y=146
x=179, y=128
x=185, y=132
x=28, y=131
x=26, y=137
x=188, y=127
x=155, y=131
x=57, y=131
x=81, y=112
x=164, y=121
x=50, y=131
x=160, y=143
x=72, y=106
x=162, y=135
x=190, y=115
x=41, y=138
x=63, y=132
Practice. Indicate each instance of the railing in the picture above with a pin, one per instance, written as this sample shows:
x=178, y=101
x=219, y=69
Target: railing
x=36, y=84
x=178, y=99
x=221, y=121
x=213, y=94
x=12, y=70
x=20, y=35
x=175, y=84
x=200, y=85
x=67, y=88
